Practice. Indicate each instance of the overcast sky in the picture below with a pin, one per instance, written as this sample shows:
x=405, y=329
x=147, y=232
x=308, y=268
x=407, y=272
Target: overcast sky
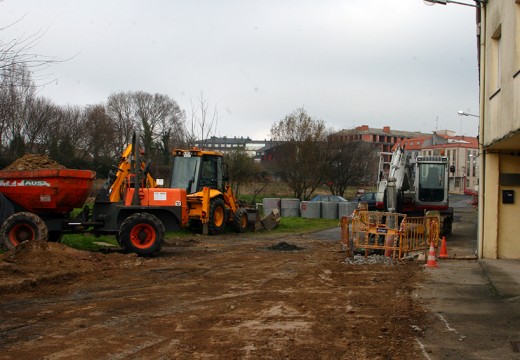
x=399, y=63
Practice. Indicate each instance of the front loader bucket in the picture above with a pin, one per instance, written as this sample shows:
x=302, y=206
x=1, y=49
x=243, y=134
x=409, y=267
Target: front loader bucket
x=253, y=220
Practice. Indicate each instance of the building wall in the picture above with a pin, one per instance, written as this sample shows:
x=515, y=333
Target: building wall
x=499, y=128
x=501, y=86
x=383, y=139
x=508, y=240
x=488, y=203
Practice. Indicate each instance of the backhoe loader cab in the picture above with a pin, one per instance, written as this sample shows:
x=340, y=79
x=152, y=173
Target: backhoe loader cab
x=194, y=170
x=211, y=202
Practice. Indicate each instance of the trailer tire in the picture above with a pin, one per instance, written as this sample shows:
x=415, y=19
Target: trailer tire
x=142, y=233
x=217, y=216
x=240, y=220
x=23, y=226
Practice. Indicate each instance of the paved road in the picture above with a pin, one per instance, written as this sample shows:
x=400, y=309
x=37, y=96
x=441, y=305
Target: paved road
x=475, y=303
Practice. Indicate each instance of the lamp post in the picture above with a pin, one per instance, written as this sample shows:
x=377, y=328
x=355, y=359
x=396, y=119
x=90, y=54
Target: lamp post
x=462, y=113
x=444, y=2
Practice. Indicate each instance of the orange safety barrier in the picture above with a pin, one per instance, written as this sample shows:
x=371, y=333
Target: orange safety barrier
x=420, y=232
x=395, y=234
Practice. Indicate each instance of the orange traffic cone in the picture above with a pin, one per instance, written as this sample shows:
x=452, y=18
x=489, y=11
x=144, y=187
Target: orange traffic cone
x=431, y=257
x=444, y=250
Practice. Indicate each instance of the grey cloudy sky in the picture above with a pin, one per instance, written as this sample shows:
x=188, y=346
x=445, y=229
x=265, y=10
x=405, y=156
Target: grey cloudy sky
x=377, y=62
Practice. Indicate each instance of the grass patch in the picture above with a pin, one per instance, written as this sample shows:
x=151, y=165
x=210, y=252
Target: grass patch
x=87, y=241
x=295, y=225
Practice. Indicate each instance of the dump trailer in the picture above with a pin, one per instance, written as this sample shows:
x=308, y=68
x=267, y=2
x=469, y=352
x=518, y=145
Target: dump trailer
x=38, y=204
x=211, y=202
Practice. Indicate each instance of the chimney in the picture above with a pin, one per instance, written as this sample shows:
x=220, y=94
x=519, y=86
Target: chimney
x=386, y=129
x=362, y=128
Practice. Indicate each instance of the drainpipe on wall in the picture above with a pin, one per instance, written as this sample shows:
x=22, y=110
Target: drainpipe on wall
x=481, y=36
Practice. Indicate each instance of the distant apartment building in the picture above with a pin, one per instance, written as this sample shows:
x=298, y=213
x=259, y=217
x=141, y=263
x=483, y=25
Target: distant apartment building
x=228, y=144
x=384, y=139
x=462, y=152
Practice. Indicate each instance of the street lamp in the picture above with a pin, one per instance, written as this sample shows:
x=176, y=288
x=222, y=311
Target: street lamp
x=444, y=2
x=463, y=113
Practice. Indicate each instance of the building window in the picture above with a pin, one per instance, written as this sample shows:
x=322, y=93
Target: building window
x=456, y=156
x=474, y=163
x=494, y=66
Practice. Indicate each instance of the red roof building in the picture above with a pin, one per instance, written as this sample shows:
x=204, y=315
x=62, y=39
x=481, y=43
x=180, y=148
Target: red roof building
x=461, y=150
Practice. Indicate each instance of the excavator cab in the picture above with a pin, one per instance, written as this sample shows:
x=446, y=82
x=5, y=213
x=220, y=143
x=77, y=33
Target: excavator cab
x=432, y=182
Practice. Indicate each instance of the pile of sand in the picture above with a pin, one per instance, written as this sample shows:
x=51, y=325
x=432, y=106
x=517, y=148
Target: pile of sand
x=34, y=162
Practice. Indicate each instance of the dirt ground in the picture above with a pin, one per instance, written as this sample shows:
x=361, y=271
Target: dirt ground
x=227, y=297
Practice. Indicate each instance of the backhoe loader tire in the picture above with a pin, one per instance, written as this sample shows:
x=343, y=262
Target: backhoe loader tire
x=240, y=220
x=23, y=226
x=142, y=233
x=217, y=216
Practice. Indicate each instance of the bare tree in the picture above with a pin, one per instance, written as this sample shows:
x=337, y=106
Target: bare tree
x=65, y=137
x=351, y=164
x=157, y=117
x=18, y=54
x=203, y=122
x=100, y=137
x=40, y=114
x=17, y=90
x=241, y=169
x=301, y=156
x=121, y=109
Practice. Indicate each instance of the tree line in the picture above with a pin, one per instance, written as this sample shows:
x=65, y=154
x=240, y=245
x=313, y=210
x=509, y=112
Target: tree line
x=94, y=136
x=307, y=158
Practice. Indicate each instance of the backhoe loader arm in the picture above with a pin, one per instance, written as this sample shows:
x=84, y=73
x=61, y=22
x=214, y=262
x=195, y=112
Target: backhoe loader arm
x=122, y=176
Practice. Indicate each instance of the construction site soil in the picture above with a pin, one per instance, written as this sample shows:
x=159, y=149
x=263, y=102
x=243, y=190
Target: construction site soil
x=34, y=162
x=235, y=296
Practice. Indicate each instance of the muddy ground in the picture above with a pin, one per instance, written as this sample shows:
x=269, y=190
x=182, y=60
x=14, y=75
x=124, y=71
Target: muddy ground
x=226, y=297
